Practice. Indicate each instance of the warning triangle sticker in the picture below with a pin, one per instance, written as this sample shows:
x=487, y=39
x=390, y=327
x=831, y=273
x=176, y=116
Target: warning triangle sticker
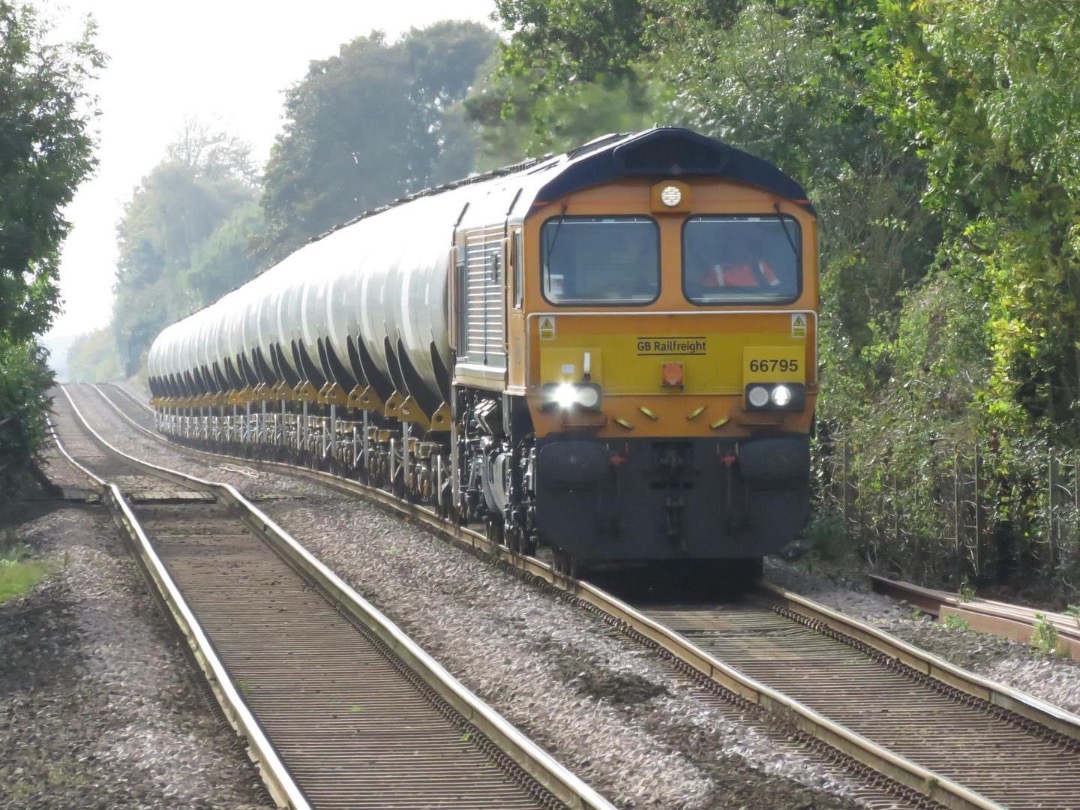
x=547, y=327
x=798, y=325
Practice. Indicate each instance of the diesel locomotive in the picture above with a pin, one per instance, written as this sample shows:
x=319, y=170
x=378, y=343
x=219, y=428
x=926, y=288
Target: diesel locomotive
x=611, y=352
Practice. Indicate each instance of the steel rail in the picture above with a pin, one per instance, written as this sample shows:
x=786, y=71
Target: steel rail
x=1005, y=697
x=127, y=395
x=905, y=772
x=987, y=616
x=275, y=776
x=540, y=765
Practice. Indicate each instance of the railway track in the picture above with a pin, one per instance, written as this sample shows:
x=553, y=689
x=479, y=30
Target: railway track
x=986, y=616
x=902, y=712
x=978, y=744
x=339, y=708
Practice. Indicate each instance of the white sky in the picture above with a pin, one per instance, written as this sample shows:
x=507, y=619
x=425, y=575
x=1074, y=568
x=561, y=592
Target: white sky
x=226, y=62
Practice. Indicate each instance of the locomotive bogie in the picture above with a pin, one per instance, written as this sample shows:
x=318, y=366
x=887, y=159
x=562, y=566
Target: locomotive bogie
x=537, y=352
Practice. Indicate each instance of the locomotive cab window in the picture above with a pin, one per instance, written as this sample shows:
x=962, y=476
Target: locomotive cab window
x=740, y=260
x=600, y=260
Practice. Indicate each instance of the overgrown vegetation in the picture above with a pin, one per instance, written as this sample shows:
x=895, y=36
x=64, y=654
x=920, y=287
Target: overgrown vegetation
x=956, y=624
x=1044, y=637
x=46, y=151
x=19, y=572
x=940, y=142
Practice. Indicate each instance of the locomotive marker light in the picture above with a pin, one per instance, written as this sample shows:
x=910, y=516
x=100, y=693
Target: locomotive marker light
x=758, y=396
x=671, y=196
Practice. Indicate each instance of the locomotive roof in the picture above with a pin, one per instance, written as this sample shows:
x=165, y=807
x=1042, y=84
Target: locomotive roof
x=665, y=152
x=661, y=152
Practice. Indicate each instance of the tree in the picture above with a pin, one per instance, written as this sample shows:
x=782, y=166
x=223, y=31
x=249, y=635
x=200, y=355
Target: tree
x=24, y=380
x=515, y=123
x=167, y=269
x=368, y=126
x=996, y=113
x=214, y=154
x=93, y=358
x=558, y=43
x=46, y=151
x=225, y=259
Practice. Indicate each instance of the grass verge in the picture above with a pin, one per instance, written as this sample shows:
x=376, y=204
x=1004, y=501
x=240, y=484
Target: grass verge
x=18, y=573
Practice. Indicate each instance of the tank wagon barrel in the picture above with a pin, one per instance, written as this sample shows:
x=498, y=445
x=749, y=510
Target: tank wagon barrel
x=611, y=351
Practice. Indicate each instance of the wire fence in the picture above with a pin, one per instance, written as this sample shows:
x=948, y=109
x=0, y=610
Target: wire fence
x=950, y=513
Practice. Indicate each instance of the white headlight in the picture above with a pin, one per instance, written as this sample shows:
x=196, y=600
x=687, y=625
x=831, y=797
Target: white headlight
x=565, y=396
x=781, y=396
x=758, y=396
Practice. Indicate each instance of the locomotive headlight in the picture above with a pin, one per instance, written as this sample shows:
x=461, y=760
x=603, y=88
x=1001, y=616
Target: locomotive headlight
x=758, y=396
x=565, y=396
x=571, y=395
x=781, y=396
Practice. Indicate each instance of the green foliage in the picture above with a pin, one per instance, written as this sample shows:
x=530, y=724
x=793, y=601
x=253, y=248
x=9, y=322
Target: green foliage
x=824, y=537
x=224, y=260
x=1074, y=611
x=976, y=90
x=368, y=126
x=966, y=593
x=46, y=151
x=24, y=380
x=514, y=125
x=954, y=623
x=93, y=358
x=16, y=578
x=1045, y=635
x=563, y=42
x=184, y=238
x=45, y=115
x=18, y=572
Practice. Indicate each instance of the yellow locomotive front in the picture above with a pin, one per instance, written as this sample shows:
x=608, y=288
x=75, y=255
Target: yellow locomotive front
x=664, y=340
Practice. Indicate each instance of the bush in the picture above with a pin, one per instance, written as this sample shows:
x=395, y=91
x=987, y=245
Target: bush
x=25, y=380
